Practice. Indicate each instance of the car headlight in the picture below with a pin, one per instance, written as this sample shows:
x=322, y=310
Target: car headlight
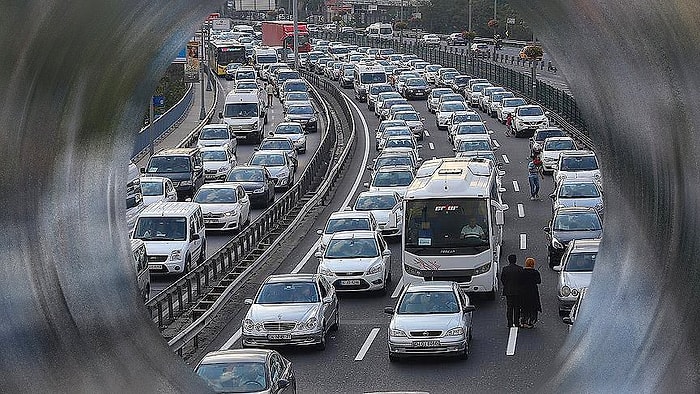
x=561, y=177
x=375, y=269
x=185, y=183
x=574, y=292
x=550, y=159
x=260, y=190
x=223, y=169
x=176, y=255
x=396, y=333
x=483, y=269
x=565, y=291
x=233, y=212
x=596, y=176
x=411, y=270
x=312, y=119
x=308, y=325
x=556, y=244
x=599, y=206
x=248, y=325
x=455, y=332
x=256, y=124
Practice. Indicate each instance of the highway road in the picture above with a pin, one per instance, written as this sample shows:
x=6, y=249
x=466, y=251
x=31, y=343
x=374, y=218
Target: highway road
x=355, y=359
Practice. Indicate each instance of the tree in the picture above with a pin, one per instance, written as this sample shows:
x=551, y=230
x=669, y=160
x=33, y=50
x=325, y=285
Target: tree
x=469, y=36
x=533, y=52
x=400, y=25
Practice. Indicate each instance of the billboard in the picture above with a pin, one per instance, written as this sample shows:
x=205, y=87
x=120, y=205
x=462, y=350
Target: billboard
x=254, y=5
x=192, y=63
x=221, y=24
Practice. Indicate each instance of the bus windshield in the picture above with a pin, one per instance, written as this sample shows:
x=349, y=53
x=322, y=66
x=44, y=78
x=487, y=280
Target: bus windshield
x=368, y=78
x=230, y=54
x=460, y=224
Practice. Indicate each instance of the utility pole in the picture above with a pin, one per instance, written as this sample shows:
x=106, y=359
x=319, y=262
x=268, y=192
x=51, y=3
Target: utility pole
x=470, y=16
x=296, y=33
x=495, y=3
x=202, y=110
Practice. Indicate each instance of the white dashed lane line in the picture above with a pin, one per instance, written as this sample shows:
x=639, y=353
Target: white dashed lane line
x=232, y=340
x=505, y=159
x=521, y=211
x=398, y=288
x=516, y=187
x=512, y=338
x=523, y=241
x=368, y=342
x=426, y=133
x=432, y=147
x=496, y=144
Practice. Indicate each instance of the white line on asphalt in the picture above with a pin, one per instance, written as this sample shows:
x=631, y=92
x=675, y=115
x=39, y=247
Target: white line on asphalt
x=231, y=340
x=505, y=159
x=496, y=144
x=306, y=257
x=521, y=211
x=432, y=147
x=398, y=288
x=427, y=134
x=434, y=157
x=512, y=338
x=516, y=187
x=523, y=241
x=367, y=344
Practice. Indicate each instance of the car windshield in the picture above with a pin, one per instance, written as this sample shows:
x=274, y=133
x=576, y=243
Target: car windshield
x=470, y=117
x=276, y=145
x=530, y=111
x=471, y=129
x=374, y=77
x=241, y=110
x=543, y=135
x=572, y=190
x=234, y=377
x=224, y=195
x=214, y=134
x=380, y=89
x=513, y=102
x=560, y=145
x=346, y=224
x=480, y=87
x=397, y=132
x=214, y=155
x=295, y=86
x=451, y=97
x=393, y=161
x=399, y=143
x=152, y=188
x=428, y=302
x=169, y=164
x=408, y=116
x=579, y=221
x=240, y=74
x=289, y=129
x=466, y=146
x=388, y=95
x=460, y=80
x=453, y=106
x=390, y=123
x=246, y=86
x=288, y=293
x=300, y=109
x=581, y=262
x=297, y=96
x=267, y=159
x=351, y=248
x=392, y=179
x=579, y=163
x=375, y=203
x=161, y=228
x=245, y=175
x=415, y=82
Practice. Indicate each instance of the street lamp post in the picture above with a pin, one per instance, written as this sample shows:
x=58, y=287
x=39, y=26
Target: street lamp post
x=470, y=15
x=202, y=110
x=296, y=33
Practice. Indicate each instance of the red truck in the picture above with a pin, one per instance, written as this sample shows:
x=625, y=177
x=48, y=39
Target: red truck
x=281, y=34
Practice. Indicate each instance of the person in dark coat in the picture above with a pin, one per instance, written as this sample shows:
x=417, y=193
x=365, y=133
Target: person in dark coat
x=530, y=301
x=510, y=280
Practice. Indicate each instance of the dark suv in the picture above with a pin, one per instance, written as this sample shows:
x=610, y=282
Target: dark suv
x=182, y=165
x=569, y=223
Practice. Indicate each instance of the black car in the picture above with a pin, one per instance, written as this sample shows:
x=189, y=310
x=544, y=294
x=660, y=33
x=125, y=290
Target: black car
x=569, y=223
x=304, y=114
x=247, y=371
x=182, y=165
x=257, y=182
x=537, y=140
x=459, y=83
x=416, y=88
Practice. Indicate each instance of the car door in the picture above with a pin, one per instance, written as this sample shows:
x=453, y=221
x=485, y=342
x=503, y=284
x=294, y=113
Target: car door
x=382, y=248
x=327, y=294
x=245, y=203
x=466, y=316
x=170, y=192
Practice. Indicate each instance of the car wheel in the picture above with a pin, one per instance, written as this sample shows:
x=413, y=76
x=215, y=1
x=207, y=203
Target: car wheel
x=393, y=358
x=188, y=263
x=465, y=353
x=322, y=344
x=336, y=323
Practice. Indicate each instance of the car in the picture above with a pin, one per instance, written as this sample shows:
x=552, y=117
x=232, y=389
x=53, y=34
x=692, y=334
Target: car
x=577, y=165
x=495, y=102
x=247, y=371
x=157, y=188
x=291, y=309
x=456, y=39
x=294, y=131
x=291, y=98
x=415, y=88
x=347, y=79
x=458, y=117
x=430, y=318
x=400, y=83
x=231, y=70
x=225, y=206
x=387, y=104
x=346, y=221
x=434, y=98
x=305, y=114
x=217, y=135
x=446, y=79
x=408, y=142
x=552, y=148
x=414, y=121
x=182, y=165
x=431, y=71
x=528, y=118
x=508, y=106
x=575, y=271
x=567, y=224
x=386, y=209
x=293, y=85
x=485, y=99
x=541, y=134
x=399, y=106
x=578, y=193
x=395, y=158
x=480, y=50
x=217, y=161
x=279, y=164
x=473, y=94
x=524, y=51
x=374, y=91
x=281, y=143
x=391, y=178
x=381, y=97
x=459, y=83
x=394, y=131
x=245, y=73
x=257, y=183
x=473, y=145
x=247, y=86
x=445, y=111
x=431, y=39
x=356, y=261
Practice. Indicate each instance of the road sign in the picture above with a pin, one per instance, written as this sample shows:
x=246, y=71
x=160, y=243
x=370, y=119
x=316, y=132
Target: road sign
x=510, y=21
x=221, y=24
x=158, y=101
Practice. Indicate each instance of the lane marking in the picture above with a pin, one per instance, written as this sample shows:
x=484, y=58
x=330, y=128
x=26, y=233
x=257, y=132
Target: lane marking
x=505, y=159
x=306, y=257
x=512, y=338
x=234, y=338
x=399, y=287
x=521, y=211
x=368, y=342
x=434, y=157
x=516, y=187
x=523, y=241
x=496, y=144
x=432, y=147
x=426, y=133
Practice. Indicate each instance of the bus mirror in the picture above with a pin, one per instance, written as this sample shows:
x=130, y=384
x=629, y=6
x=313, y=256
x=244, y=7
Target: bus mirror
x=499, y=218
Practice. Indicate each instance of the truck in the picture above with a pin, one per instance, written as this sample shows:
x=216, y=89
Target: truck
x=281, y=34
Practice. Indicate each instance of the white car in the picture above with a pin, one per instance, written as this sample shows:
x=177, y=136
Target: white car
x=473, y=95
x=217, y=135
x=431, y=39
x=157, y=188
x=395, y=131
x=381, y=97
x=294, y=131
x=577, y=165
x=386, y=209
x=461, y=117
x=225, y=206
x=508, y=106
x=430, y=318
x=495, y=102
x=528, y=118
x=445, y=111
x=467, y=145
x=391, y=178
x=431, y=72
x=414, y=121
x=575, y=271
x=485, y=99
x=217, y=162
x=356, y=261
x=346, y=221
x=552, y=148
x=434, y=98
x=278, y=163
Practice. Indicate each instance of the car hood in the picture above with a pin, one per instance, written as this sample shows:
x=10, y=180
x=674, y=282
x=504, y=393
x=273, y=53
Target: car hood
x=213, y=142
x=250, y=186
x=282, y=312
x=215, y=165
x=579, y=174
x=163, y=247
x=566, y=236
x=299, y=116
x=218, y=208
x=275, y=171
x=576, y=280
x=426, y=322
x=538, y=118
x=350, y=265
x=399, y=189
x=148, y=200
x=578, y=202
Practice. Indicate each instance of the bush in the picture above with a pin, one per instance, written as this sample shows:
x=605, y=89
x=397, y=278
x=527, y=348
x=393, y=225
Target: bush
x=533, y=52
x=469, y=35
x=400, y=25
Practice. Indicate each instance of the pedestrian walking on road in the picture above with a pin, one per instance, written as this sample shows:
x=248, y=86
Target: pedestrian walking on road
x=534, y=173
x=511, y=276
x=530, y=305
x=270, y=92
x=509, y=124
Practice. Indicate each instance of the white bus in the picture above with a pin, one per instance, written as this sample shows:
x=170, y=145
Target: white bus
x=453, y=224
x=380, y=30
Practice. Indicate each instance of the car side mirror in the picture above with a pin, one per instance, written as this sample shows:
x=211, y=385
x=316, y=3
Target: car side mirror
x=500, y=219
x=469, y=308
x=368, y=168
x=282, y=383
x=188, y=199
x=248, y=301
x=386, y=253
x=365, y=185
x=546, y=229
x=557, y=268
x=552, y=196
x=319, y=232
x=567, y=320
x=420, y=146
x=454, y=149
x=389, y=310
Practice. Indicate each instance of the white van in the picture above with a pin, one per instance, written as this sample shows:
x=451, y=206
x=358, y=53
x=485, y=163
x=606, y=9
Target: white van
x=380, y=30
x=173, y=233
x=262, y=56
x=143, y=277
x=245, y=113
x=365, y=75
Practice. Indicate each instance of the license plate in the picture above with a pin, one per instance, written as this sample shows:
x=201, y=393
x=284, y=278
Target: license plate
x=155, y=266
x=278, y=337
x=210, y=221
x=350, y=282
x=426, y=343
